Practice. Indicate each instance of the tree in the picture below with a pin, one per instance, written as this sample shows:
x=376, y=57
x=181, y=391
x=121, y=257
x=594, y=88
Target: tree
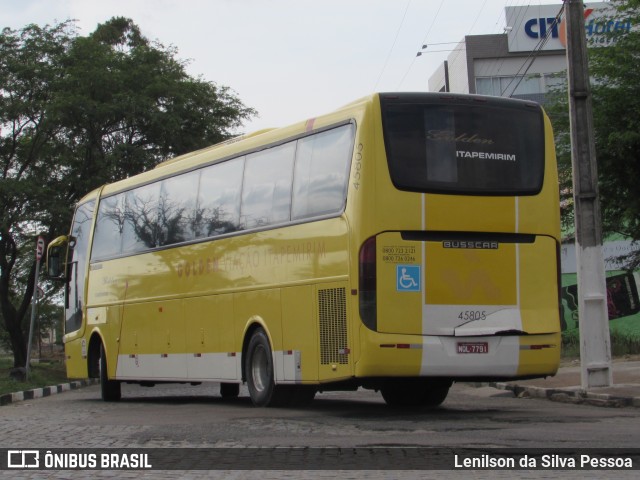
x=616, y=112
x=29, y=71
x=77, y=112
x=616, y=96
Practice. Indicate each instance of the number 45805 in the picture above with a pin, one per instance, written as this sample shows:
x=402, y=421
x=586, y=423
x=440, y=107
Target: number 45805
x=471, y=315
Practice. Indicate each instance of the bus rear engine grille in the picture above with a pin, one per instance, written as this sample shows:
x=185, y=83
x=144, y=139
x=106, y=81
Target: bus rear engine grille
x=332, y=314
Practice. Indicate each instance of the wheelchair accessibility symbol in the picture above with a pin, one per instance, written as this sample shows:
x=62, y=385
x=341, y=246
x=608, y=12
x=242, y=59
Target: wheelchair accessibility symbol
x=408, y=278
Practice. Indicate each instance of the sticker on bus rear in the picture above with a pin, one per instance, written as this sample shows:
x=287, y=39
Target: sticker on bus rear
x=408, y=278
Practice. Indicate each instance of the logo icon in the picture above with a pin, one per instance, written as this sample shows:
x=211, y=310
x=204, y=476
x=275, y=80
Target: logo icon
x=408, y=278
x=23, y=459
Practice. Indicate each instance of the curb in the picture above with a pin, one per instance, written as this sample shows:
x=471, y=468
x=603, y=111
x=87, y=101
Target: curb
x=9, y=398
x=568, y=395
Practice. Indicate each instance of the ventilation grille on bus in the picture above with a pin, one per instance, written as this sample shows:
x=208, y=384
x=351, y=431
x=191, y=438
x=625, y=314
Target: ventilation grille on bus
x=333, y=326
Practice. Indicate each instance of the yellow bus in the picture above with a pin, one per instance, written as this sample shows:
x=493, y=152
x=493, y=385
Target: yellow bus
x=401, y=243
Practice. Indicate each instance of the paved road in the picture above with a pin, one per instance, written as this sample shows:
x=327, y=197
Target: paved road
x=183, y=416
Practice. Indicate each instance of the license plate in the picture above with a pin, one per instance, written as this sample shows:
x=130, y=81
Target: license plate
x=473, y=347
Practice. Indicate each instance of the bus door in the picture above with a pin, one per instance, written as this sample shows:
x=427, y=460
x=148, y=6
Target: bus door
x=77, y=258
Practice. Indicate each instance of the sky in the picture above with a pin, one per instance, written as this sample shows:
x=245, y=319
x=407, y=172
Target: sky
x=291, y=59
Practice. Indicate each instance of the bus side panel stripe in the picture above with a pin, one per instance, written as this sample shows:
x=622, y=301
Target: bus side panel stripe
x=202, y=366
x=179, y=366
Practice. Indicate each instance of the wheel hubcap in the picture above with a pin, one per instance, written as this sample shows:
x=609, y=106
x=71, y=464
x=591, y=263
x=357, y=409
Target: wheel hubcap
x=260, y=368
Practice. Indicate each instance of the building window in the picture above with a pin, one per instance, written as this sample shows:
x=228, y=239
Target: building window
x=508, y=86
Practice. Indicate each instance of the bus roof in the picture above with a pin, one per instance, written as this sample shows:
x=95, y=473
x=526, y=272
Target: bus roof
x=238, y=138
x=266, y=138
x=236, y=146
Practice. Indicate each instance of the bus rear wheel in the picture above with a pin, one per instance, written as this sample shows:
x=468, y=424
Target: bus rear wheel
x=109, y=389
x=260, y=374
x=415, y=393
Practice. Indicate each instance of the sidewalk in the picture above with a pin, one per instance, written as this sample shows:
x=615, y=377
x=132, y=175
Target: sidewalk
x=566, y=386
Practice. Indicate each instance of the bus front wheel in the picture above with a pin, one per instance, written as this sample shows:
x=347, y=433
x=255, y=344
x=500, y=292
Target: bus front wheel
x=260, y=373
x=110, y=389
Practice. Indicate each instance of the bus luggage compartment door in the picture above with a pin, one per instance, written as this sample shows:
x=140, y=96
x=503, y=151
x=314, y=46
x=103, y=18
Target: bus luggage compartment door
x=466, y=285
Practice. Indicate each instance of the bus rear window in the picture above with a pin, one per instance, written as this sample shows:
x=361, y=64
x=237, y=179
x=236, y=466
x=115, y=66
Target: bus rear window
x=436, y=144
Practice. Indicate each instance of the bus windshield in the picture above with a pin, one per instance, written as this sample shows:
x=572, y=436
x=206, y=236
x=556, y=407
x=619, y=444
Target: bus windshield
x=446, y=145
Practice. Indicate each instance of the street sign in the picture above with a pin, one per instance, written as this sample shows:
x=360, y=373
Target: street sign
x=40, y=248
x=36, y=288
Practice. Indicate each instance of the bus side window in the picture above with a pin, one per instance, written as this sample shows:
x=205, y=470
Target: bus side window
x=322, y=172
x=218, y=202
x=107, y=238
x=266, y=190
x=141, y=223
x=176, y=210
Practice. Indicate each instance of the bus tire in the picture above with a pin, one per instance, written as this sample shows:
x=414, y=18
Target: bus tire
x=411, y=393
x=229, y=390
x=260, y=373
x=109, y=389
x=435, y=393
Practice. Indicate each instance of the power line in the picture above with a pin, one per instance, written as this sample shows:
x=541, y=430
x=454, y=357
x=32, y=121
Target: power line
x=392, y=46
x=437, y=51
x=424, y=41
x=433, y=22
x=478, y=16
x=534, y=54
x=472, y=26
x=523, y=9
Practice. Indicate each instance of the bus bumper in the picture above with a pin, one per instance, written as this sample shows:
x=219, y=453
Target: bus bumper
x=494, y=357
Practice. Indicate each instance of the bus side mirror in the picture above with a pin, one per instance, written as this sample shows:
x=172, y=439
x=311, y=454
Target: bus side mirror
x=56, y=259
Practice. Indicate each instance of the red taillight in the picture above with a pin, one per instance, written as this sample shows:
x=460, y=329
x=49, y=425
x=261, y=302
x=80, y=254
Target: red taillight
x=368, y=281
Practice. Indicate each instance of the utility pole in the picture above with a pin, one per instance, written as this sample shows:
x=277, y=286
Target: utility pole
x=34, y=301
x=447, y=88
x=595, y=343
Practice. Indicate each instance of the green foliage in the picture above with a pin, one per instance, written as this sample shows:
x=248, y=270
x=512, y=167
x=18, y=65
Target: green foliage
x=557, y=107
x=621, y=343
x=616, y=96
x=44, y=374
x=77, y=112
x=571, y=343
x=616, y=117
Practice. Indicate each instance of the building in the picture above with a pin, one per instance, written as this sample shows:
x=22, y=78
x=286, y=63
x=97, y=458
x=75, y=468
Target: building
x=525, y=61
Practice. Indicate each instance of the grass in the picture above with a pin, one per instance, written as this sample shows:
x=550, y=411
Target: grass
x=570, y=344
x=43, y=374
x=621, y=344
